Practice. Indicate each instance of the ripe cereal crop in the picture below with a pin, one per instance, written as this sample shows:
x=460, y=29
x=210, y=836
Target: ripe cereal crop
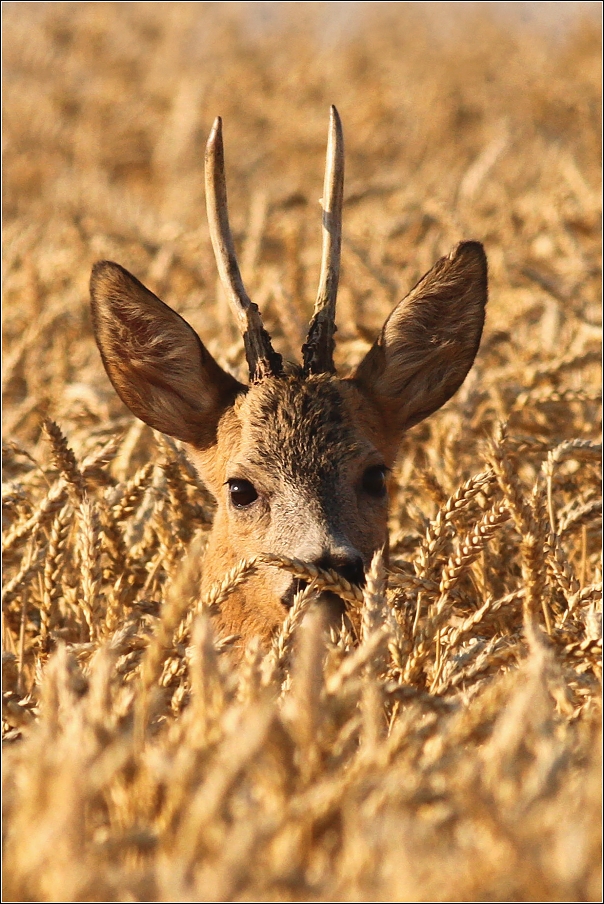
x=445, y=743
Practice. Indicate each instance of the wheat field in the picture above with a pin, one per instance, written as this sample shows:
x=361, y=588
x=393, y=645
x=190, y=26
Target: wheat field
x=447, y=747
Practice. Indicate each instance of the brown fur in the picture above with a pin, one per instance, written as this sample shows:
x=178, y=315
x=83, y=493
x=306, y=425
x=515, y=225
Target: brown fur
x=304, y=442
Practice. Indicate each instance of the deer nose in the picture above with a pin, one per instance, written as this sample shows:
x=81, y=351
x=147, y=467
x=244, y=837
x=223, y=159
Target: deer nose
x=347, y=565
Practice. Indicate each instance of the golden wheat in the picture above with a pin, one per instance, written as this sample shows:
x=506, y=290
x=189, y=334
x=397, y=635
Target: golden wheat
x=443, y=742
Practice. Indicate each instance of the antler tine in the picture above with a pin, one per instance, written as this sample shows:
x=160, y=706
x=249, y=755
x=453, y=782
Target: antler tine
x=318, y=349
x=262, y=360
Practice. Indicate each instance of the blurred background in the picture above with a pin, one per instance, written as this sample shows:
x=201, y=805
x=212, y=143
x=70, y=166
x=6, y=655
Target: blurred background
x=461, y=120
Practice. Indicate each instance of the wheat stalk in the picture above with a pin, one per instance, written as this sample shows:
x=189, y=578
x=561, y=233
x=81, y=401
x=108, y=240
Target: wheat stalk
x=282, y=642
x=470, y=548
x=374, y=597
x=54, y=500
x=482, y=658
x=131, y=493
x=30, y=565
x=88, y=558
x=64, y=459
x=325, y=579
x=583, y=450
x=53, y=565
x=234, y=577
x=435, y=538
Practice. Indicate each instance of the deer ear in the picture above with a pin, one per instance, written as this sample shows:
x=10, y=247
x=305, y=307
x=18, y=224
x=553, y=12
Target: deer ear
x=155, y=360
x=429, y=342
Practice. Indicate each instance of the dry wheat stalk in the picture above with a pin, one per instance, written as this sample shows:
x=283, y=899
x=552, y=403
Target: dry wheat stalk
x=565, y=363
x=255, y=673
x=53, y=565
x=355, y=662
x=131, y=493
x=188, y=475
x=435, y=537
x=324, y=578
x=533, y=559
x=55, y=499
x=374, y=597
x=374, y=619
x=15, y=503
x=583, y=450
x=30, y=565
x=490, y=606
x=537, y=396
x=180, y=600
x=45, y=512
x=177, y=493
x=398, y=642
x=12, y=449
x=113, y=544
x=302, y=708
x=509, y=483
x=591, y=593
x=409, y=585
x=64, y=459
x=559, y=567
x=219, y=591
x=479, y=659
x=170, y=547
x=282, y=642
x=429, y=482
x=578, y=514
x=89, y=562
x=470, y=548
x=206, y=800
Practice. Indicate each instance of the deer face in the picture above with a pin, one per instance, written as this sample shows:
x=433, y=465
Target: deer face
x=297, y=470
x=298, y=460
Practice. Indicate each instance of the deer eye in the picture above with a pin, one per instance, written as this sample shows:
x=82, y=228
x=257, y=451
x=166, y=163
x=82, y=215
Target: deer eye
x=374, y=481
x=242, y=492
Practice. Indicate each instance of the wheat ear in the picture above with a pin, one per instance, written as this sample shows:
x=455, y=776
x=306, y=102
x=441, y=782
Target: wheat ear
x=325, y=579
x=469, y=549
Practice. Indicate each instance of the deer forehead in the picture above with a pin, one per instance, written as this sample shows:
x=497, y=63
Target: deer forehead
x=303, y=431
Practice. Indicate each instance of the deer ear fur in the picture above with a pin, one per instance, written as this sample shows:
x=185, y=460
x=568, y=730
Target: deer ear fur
x=155, y=360
x=429, y=341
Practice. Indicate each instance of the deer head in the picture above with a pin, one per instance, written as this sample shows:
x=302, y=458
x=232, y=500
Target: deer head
x=298, y=459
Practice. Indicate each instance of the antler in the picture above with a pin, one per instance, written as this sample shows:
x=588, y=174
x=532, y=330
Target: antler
x=262, y=360
x=318, y=349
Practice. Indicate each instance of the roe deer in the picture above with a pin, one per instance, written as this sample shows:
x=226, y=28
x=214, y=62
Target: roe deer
x=298, y=459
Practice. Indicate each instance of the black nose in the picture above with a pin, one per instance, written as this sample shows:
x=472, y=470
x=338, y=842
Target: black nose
x=348, y=567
